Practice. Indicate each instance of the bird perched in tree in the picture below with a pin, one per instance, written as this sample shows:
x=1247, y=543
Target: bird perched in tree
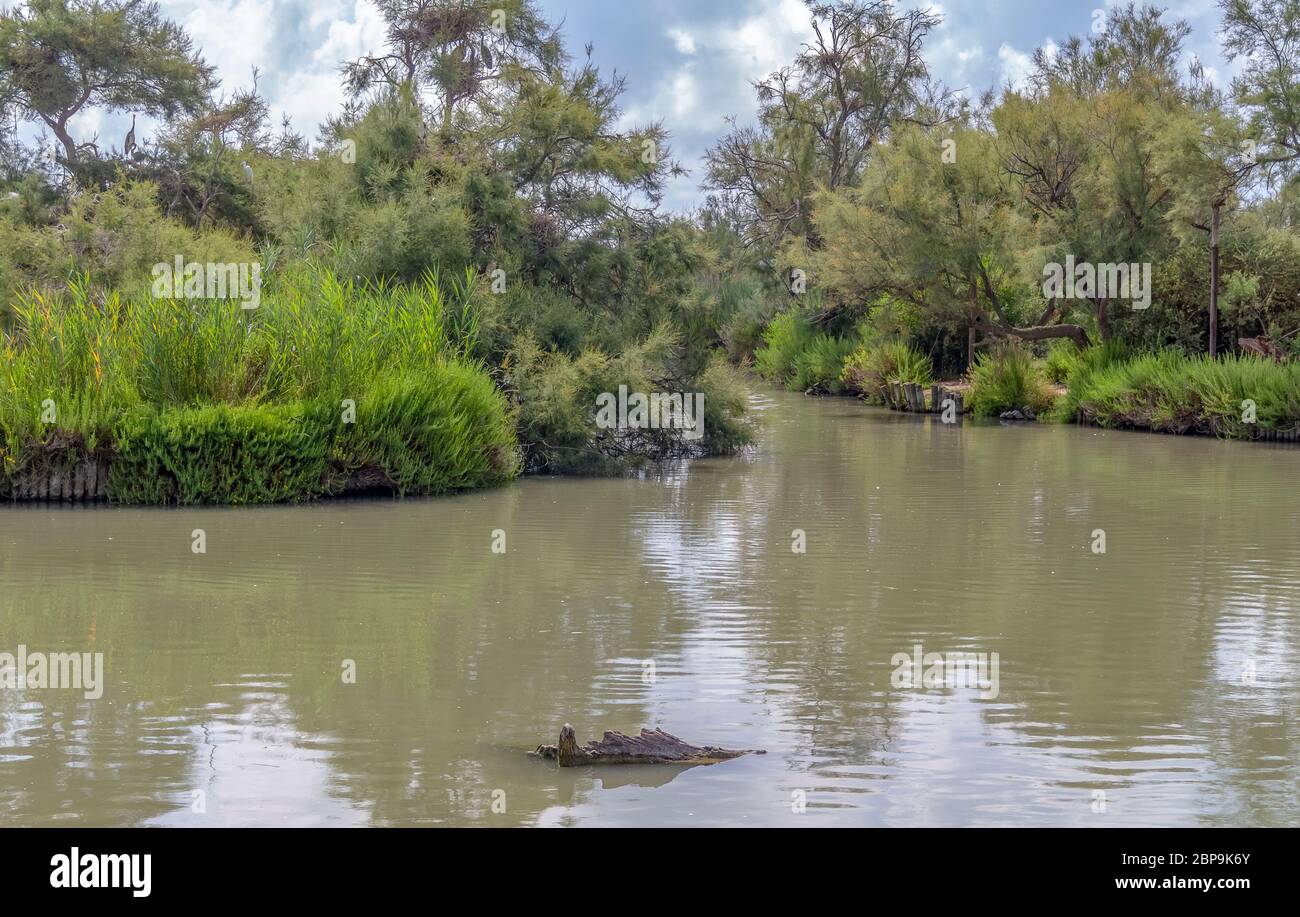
x=128, y=145
x=248, y=171
x=424, y=130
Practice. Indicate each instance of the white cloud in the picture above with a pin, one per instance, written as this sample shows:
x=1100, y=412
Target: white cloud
x=349, y=39
x=237, y=35
x=233, y=35
x=683, y=40
x=768, y=40
x=1016, y=66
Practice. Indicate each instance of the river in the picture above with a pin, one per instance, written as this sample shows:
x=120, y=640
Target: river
x=376, y=662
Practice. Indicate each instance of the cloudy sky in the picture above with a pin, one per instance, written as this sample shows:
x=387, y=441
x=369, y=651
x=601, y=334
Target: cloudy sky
x=688, y=63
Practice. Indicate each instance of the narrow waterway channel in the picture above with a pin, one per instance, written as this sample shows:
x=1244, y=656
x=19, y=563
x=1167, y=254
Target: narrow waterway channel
x=1150, y=684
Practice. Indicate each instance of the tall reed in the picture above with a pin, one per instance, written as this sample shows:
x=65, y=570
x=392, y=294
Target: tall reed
x=89, y=373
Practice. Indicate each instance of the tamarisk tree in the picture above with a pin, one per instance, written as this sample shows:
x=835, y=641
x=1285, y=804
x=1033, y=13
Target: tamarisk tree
x=819, y=119
x=61, y=57
x=944, y=236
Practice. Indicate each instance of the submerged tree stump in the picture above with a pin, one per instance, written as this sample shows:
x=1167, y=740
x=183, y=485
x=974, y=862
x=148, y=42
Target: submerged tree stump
x=650, y=747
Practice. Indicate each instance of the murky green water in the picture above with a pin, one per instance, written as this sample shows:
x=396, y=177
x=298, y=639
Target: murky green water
x=1162, y=673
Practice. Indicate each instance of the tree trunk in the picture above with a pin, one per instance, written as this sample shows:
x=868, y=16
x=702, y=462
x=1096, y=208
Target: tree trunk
x=1075, y=333
x=1103, y=319
x=69, y=145
x=1214, y=278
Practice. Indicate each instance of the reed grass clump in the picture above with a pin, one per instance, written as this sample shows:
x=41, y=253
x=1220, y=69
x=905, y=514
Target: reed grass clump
x=1235, y=397
x=869, y=369
x=328, y=387
x=783, y=340
x=1008, y=379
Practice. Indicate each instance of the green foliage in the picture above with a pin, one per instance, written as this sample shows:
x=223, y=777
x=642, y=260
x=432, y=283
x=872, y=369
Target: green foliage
x=173, y=389
x=1173, y=393
x=726, y=404
x=557, y=394
x=784, y=339
x=819, y=365
x=744, y=309
x=401, y=209
x=1006, y=379
x=1259, y=292
x=112, y=238
x=429, y=433
x=809, y=360
x=441, y=432
x=869, y=369
x=218, y=454
x=59, y=57
x=1082, y=365
x=1062, y=357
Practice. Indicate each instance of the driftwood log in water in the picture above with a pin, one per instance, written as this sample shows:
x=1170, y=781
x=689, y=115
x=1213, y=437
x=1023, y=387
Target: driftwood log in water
x=650, y=747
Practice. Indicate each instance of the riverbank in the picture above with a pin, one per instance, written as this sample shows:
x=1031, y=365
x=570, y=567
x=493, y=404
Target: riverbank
x=1233, y=397
x=326, y=388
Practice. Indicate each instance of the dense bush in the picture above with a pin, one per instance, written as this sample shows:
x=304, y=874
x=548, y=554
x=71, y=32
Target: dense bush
x=205, y=402
x=819, y=365
x=1260, y=293
x=784, y=339
x=1172, y=393
x=1005, y=379
x=443, y=429
x=802, y=357
x=218, y=454
x=112, y=238
x=1081, y=365
x=556, y=396
x=1062, y=356
x=870, y=369
x=744, y=311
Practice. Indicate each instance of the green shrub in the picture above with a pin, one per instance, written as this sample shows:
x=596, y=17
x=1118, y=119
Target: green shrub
x=1260, y=271
x=556, y=397
x=202, y=401
x=445, y=430
x=1062, y=356
x=1082, y=365
x=1005, y=379
x=113, y=238
x=1172, y=393
x=726, y=403
x=448, y=430
x=219, y=454
x=785, y=338
x=818, y=366
x=744, y=312
x=801, y=357
x=869, y=369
